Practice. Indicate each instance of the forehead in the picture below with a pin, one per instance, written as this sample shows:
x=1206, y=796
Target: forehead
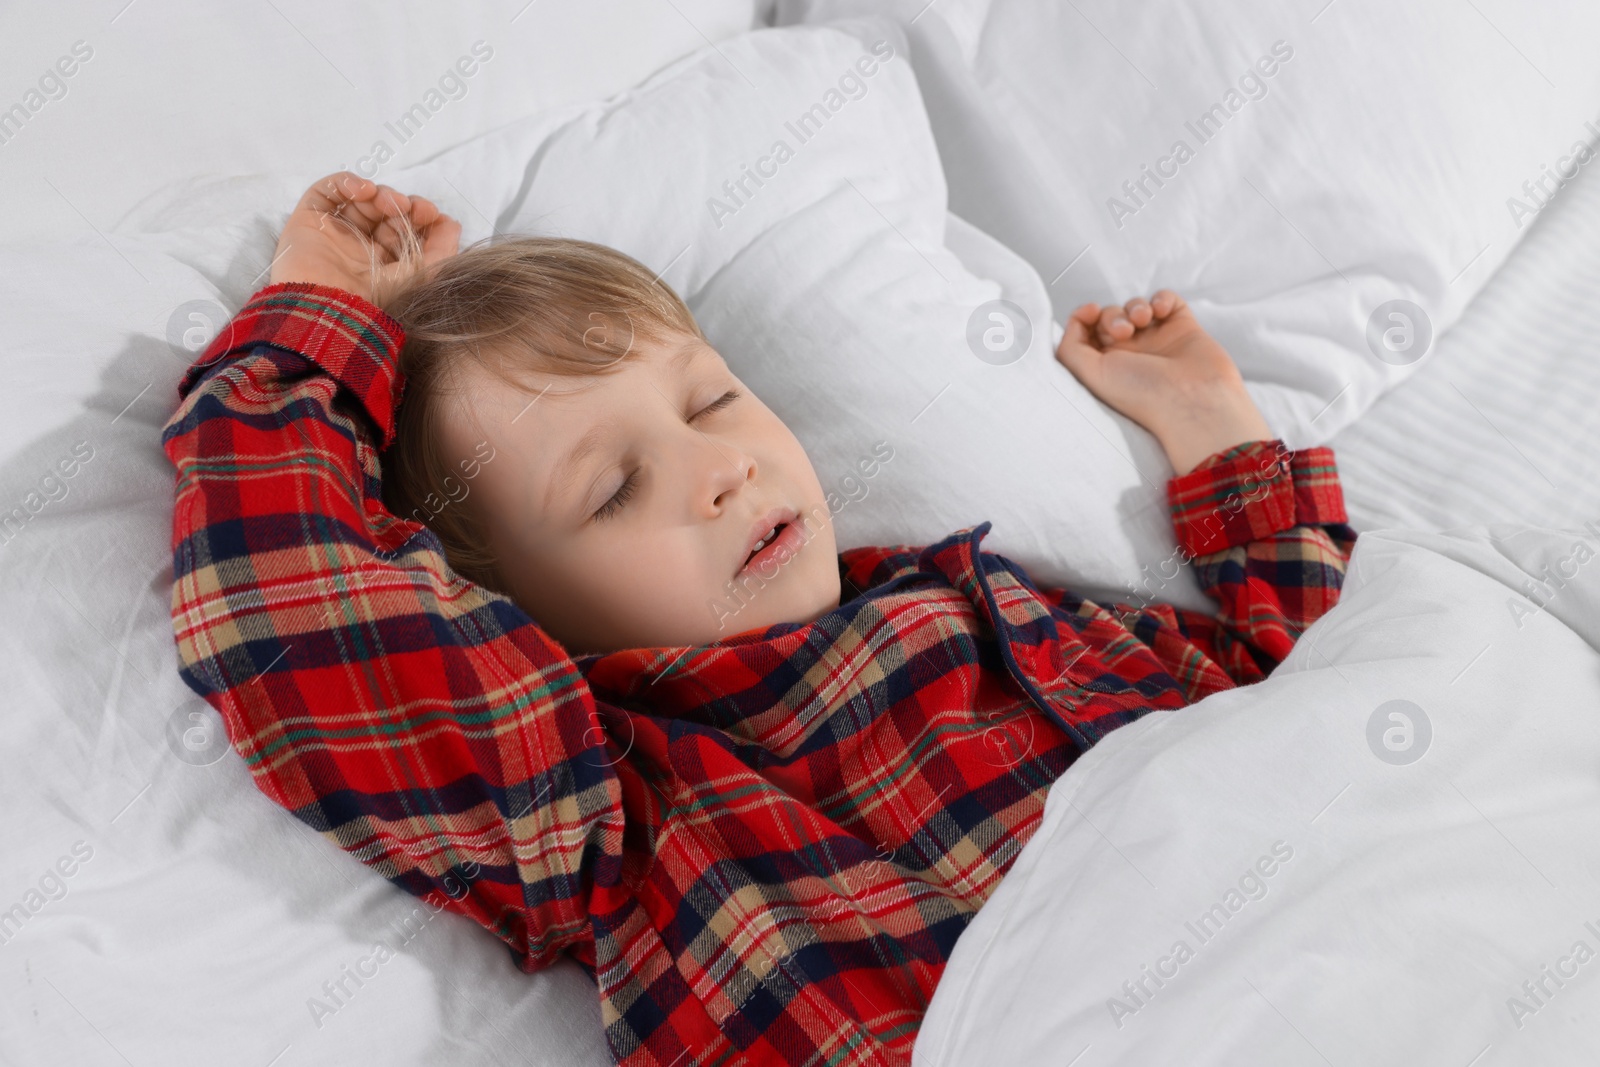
x=554, y=423
x=519, y=381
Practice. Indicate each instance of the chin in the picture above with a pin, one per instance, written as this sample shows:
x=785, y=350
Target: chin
x=823, y=597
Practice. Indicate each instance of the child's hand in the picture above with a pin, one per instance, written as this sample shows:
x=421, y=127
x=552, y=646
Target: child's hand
x=365, y=238
x=1151, y=361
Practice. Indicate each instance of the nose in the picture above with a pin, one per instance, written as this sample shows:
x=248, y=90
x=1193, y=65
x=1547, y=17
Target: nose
x=725, y=469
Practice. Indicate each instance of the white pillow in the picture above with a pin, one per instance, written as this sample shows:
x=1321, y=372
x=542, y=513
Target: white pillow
x=832, y=291
x=1378, y=161
x=163, y=93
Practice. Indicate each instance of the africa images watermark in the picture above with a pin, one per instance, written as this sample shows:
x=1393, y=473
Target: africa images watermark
x=1536, y=992
x=1204, y=128
x=432, y=506
x=337, y=992
x=739, y=594
x=471, y=467
x=1543, y=189
x=451, y=85
x=53, y=488
x=1399, y=732
x=999, y=332
x=851, y=85
x=52, y=85
x=1256, y=486
x=52, y=886
x=1252, y=885
x=1539, y=592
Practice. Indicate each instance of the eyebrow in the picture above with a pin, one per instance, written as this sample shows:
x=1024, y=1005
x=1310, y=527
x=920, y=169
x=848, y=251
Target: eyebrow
x=686, y=354
x=569, y=466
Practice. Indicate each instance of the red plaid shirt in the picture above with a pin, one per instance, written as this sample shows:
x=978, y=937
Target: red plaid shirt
x=763, y=849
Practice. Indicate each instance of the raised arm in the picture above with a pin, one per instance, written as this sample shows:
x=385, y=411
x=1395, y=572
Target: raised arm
x=423, y=724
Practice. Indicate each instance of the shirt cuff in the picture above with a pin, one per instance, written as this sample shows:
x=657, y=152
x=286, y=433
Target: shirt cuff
x=353, y=340
x=1252, y=491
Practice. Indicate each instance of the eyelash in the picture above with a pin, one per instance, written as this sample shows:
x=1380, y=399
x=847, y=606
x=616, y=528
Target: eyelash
x=630, y=484
x=719, y=403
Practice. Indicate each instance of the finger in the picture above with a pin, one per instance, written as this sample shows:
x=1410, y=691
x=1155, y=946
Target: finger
x=1165, y=302
x=393, y=235
x=384, y=202
x=441, y=240
x=424, y=212
x=328, y=193
x=1086, y=313
x=392, y=201
x=1078, y=353
x=404, y=235
x=334, y=222
x=1139, y=312
x=407, y=236
x=1079, y=327
x=1114, y=325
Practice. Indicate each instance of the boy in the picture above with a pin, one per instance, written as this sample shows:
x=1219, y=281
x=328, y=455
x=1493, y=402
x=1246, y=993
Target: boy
x=763, y=845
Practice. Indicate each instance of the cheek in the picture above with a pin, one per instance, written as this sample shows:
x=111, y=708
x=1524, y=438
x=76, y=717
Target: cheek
x=492, y=504
x=562, y=586
x=799, y=475
x=776, y=439
x=630, y=590
x=527, y=552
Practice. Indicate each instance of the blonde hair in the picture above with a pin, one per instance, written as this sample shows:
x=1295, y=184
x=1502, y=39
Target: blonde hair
x=547, y=304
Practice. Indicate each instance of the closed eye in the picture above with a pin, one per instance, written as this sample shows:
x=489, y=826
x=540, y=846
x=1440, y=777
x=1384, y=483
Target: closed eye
x=630, y=485
x=623, y=494
x=719, y=403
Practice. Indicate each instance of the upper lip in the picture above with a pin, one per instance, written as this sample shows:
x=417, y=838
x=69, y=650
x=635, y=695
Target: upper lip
x=775, y=517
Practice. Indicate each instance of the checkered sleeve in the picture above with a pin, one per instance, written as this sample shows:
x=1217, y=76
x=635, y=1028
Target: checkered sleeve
x=1266, y=531
x=423, y=724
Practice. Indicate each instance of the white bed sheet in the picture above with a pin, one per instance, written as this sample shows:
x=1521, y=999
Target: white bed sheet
x=1503, y=422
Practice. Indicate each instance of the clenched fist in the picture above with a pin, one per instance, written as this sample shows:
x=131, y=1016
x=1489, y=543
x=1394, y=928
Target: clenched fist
x=368, y=239
x=1150, y=360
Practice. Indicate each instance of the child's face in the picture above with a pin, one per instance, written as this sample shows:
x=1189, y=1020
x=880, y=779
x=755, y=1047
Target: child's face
x=603, y=567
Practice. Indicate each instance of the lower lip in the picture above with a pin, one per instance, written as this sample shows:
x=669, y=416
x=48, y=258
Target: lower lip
x=790, y=536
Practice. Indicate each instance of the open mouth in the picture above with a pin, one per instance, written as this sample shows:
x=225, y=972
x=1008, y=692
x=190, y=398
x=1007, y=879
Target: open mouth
x=780, y=544
x=771, y=537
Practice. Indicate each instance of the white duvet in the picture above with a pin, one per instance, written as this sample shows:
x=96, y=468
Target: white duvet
x=1386, y=853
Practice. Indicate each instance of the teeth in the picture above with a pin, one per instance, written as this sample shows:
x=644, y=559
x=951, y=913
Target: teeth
x=765, y=540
